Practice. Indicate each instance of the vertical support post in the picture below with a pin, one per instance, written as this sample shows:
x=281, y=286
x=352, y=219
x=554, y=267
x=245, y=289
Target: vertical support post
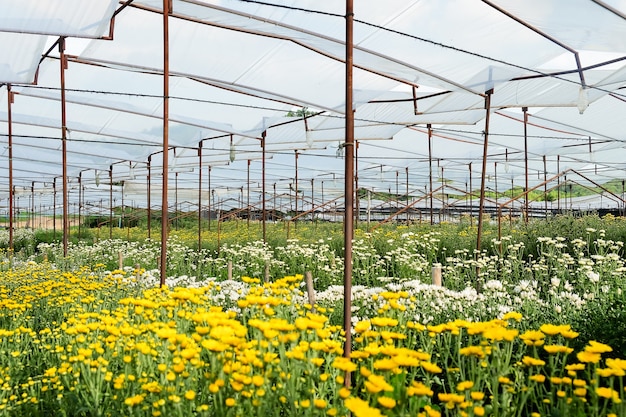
x=54, y=207
x=511, y=206
x=63, y=61
x=31, y=215
x=263, y=208
x=471, y=196
x=442, y=212
x=558, y=184
x=481, y=208
x=296, y=187
x=623, y=203
x=111, y=201
x=274, y=204
x=323, y=201
x=80, y=195
x=545, y=187
x=357, y=201
x=210, y=194
x=199, y=196
x=397, y=192
x=369, y=207
x=176, y=199
x=219, y=227
x=248, y=197
x=430, y=169
x=407, y=194
x=11, y=193
x=166, y=102
x=349, y=189
x=122, y=212
x=525, y=110
x=149, y=186
x=312, y=200
x=495, y=179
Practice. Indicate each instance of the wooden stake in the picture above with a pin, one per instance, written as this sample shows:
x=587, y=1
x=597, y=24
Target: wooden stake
x=436, y=274
x=309, y=288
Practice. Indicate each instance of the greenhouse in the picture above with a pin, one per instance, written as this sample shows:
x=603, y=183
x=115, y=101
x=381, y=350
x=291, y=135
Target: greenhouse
x=224, y=116
x=449, y=99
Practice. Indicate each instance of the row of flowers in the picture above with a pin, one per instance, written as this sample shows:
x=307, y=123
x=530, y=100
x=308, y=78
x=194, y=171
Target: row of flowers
x=93, y=342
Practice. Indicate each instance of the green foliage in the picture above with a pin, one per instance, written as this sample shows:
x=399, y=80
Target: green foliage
x=301, y=112
x=604, y=320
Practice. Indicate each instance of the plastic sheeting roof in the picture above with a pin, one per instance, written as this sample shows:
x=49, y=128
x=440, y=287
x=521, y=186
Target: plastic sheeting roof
x=237, y=68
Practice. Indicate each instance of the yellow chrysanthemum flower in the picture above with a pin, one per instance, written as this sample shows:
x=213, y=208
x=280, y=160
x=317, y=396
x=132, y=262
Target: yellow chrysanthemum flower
x=530, y=361
x=554, y=349
x=588, y=357
x=537, y=378
x=386, y=402
x=513, y=315
x=597, y=347
x=419, y=389
x=464, y=385
x=430, y=367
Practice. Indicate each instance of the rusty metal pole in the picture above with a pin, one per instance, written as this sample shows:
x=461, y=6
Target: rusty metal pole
x=407, y=193
x=471, y=196
x=495, y=179
x=199, y=195
x=263, y=208
x=166, y=102
x=209, y=205
x=397, y=192
x=312, y=199
x=430, y=169
x=248, y=198
x=357, y=201
x=10, y=139
x=481, y=208
x=558, y=184
x=54, y=208
x=442, y=212
x=80, y=195
x=545, y=187
x=525, y=110
x=31, y=215
x=296, y=189
x=498, y=209
x=349, y=189
x=63, y=61
x=511, y=207
x=176, y=199
x=111, y=201
x=148, y=196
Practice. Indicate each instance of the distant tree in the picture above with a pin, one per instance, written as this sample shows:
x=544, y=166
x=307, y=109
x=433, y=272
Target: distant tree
x=303, y=112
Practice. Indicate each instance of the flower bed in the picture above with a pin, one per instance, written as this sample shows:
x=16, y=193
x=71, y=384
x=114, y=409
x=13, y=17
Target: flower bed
x=89, y=342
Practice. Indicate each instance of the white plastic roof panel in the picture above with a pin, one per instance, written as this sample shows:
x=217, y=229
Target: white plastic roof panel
x=304, y=28
x=75, y=18
x=20, y=56
x=580, y=24
x=237, y=68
